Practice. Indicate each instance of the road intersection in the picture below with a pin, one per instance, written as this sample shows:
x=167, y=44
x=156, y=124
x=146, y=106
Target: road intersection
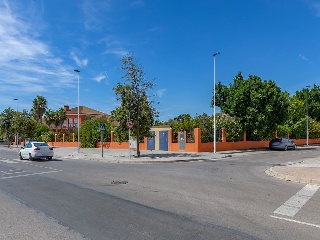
x=228, y=190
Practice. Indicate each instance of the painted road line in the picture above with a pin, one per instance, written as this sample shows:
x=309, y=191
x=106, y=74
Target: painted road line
x=31, y=174
x=296, y=202
x=295, y=221
x=7, y=161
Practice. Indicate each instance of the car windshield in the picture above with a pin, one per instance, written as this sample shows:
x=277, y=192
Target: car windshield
x=40, y=144
x=276, y=140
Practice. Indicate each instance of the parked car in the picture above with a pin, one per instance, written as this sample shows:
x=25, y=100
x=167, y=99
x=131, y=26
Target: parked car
x=36, y=150
x=282, y=144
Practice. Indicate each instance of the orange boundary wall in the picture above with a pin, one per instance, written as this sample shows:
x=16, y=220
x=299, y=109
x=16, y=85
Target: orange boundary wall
x=197, y=146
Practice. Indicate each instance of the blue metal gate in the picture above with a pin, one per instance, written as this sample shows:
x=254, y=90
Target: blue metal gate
x=181, y=141
x=151, y=142
x=163, y=138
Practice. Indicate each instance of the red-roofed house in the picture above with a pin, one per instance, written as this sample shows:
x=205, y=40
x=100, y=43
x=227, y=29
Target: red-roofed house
x=84, y=113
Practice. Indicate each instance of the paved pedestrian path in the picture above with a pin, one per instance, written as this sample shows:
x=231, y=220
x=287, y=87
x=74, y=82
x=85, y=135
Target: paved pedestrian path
x=307, y=171
x=124, y=156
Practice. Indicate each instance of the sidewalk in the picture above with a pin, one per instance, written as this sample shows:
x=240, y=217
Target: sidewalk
x=304, y=172
x=123, y=156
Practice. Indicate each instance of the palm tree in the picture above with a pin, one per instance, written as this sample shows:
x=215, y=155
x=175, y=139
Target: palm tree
x=59, y=117
x=39, y=108
x=49, y=117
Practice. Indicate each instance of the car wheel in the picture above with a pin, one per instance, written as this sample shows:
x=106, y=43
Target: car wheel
x=30, y=158
x=21, y=158
x=49, y=158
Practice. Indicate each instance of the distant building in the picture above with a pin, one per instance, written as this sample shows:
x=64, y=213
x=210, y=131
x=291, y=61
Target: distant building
x=84, y=113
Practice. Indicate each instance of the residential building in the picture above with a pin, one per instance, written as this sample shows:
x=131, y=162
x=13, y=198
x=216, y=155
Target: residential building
x=84, y=113
x=72, y=116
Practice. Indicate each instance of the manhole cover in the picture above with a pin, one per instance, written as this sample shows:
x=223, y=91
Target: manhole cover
x=119, y=182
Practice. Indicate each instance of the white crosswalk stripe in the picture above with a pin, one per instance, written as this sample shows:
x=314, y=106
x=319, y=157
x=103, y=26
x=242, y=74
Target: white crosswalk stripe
x=14, y=173
x=296, y=202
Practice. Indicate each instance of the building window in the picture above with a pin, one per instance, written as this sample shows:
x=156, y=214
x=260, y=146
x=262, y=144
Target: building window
x=70, y=122
x=64, y=123
x=75, y=120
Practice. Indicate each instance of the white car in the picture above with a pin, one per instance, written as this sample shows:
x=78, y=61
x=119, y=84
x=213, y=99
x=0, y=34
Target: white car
x=36, y=150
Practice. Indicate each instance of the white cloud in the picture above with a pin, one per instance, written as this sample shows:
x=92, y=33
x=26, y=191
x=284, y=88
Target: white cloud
x=94, y=13
x=161, y=92
x=316, y=7
x=138, y=3
x=304, y=58
x=120, y=52
x=114, y=46
x=28, y=65
x=100, y=77
x=79, y=62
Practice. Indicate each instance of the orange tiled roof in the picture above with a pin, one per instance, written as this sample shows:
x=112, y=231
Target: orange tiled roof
x=84, y=110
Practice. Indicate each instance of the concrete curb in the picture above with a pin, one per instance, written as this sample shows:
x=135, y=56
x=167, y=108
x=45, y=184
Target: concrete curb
x=112, y=159
x=273, y=173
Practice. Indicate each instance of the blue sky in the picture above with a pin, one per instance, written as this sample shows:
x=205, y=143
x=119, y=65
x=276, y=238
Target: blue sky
x=43, y=41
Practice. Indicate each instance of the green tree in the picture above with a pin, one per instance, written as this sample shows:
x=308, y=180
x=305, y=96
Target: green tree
x=23, y=124
x=41, y=132
x=296, y=114
x=297, y=109
x=134, y=102
x=39, y=108
x=311, y=96
x=314, y=128
x=259, y=106
x=90, y=134
x=205, y=123
x=183, y=122
x=6, y=124
x=28, y=125
x=232, y=127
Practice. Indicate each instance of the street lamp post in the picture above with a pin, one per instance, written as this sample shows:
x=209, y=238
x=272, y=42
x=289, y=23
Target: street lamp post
x=307, y=120
x=77, y=71
x=17, y=134
x=214, y=102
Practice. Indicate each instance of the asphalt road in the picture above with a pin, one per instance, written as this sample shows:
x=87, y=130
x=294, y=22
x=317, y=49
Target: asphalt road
x=230, y=198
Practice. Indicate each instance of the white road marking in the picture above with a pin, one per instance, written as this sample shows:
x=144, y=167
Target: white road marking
x=295, y=221
x=28, y=163
x=19, y=172
x=30, y=174
x=296, y=202
x=7, y=161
